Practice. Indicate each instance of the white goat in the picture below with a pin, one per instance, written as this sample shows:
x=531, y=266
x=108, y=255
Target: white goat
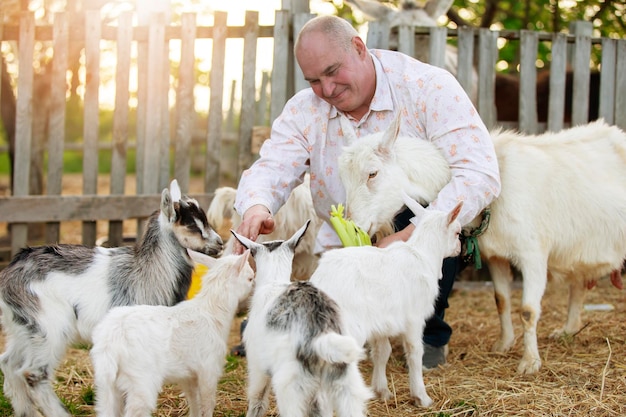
x=53, y=296
x=410, y=13
x=561, y=211
x=136, y=349
x=388, y=292
x=294, y=340
x=292, y=215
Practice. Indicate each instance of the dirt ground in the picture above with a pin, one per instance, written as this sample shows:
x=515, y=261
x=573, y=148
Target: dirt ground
x=582, y=375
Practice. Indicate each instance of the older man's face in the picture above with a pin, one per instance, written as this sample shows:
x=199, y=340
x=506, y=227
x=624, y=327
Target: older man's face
x=336, y=75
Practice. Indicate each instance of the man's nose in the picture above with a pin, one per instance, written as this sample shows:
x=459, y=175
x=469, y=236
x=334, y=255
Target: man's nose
x=328, y=88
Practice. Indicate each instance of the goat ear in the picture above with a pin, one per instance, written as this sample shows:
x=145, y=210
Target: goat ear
x=247, y=243
x=454, y=214
x=295, y=239
x=413, y=205
x=243, y=261
x=373, y=9
x=201, y=258
x=175, y=191
x=167, y=206
x=437, y=8
x=390, y=136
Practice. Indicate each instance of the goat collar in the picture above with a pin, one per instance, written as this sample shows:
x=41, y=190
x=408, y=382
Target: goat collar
x=470, y=241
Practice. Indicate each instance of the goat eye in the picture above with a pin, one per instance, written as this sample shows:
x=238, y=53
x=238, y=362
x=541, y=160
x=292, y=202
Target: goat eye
x=372, y=175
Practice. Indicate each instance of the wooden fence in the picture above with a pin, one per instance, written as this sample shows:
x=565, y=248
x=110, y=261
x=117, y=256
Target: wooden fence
x=158, y=149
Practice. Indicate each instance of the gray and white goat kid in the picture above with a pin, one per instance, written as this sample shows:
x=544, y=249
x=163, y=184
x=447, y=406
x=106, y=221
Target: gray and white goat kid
x=137, y=349
x=53, y=296
x=391, y=291
x=295, y=341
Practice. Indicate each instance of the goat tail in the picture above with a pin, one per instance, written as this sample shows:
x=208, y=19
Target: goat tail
x=337, y=348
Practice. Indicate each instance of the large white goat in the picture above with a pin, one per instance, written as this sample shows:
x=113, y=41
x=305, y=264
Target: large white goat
x=561, y=211
x=294, y=339
x=136, y=349
x=391, y=291
x=410, y=13
x=292, y=215
x=53, y=296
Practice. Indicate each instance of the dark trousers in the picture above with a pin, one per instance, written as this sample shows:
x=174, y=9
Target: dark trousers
x=437, y=332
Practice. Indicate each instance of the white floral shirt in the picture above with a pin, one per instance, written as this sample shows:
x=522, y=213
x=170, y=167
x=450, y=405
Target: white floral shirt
x=307, y=137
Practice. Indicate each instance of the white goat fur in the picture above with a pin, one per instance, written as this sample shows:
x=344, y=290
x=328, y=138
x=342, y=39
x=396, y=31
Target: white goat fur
x=292, y=215
x=561, y=212
x=409, y=13
x=137, y=349
x=294, y=341
x=53, y=296
x=391, y=291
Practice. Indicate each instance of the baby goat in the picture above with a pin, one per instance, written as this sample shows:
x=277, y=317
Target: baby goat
x=294, y=337
x=387, y=292
x=53, y=296
x=136, y=349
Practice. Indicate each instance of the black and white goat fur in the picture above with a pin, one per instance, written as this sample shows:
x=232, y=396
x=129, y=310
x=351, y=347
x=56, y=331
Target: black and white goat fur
x=295, y=340
x=53, y=296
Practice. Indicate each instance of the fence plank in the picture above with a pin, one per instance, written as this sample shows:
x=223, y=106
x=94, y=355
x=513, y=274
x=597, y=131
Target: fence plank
x=91, y=116
x=620, y=85
x=184, y=101
x=580, y=85
x=487, y=40
x=298, y=21
x=437, y=50
x=406, y=39
x=528, y=82
x=84, y=207
x=56, y=121
x=120, y=120
x=558, y=66
x=280, y=64
x=248, y=92
x=214, y=128
x=24, y=122
x=465, y=70
x=154, y=122
x=378, y=34
x=607, y=80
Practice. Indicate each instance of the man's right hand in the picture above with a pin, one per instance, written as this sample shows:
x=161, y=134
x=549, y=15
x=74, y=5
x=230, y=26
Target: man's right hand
x=257, y=220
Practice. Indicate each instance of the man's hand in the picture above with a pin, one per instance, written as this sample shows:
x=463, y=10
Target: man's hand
x=402, y=235
x=257, y=220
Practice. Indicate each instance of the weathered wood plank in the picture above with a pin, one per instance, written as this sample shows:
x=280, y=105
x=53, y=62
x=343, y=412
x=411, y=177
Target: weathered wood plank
x=248, y=92
x=185, y=112
x=487, y=40
x=56, y=120
x=280, y=66
x=120, y=119
x=214, y=128
x=91, y=115
x=558, y=66
x=437, y=49
x=154, y=114
x=24, y=121
x=28, y=209
x=528, y=82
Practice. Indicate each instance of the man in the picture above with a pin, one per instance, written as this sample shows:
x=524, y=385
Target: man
x=368, y=88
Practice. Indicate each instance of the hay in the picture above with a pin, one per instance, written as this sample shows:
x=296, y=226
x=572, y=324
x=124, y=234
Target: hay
x=580, y=375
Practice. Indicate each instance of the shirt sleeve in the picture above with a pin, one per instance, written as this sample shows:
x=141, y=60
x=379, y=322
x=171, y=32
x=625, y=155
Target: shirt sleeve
x=283, y=160
x=452, y=123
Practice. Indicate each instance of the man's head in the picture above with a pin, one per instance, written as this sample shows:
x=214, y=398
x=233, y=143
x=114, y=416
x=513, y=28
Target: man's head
x=336, y=63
